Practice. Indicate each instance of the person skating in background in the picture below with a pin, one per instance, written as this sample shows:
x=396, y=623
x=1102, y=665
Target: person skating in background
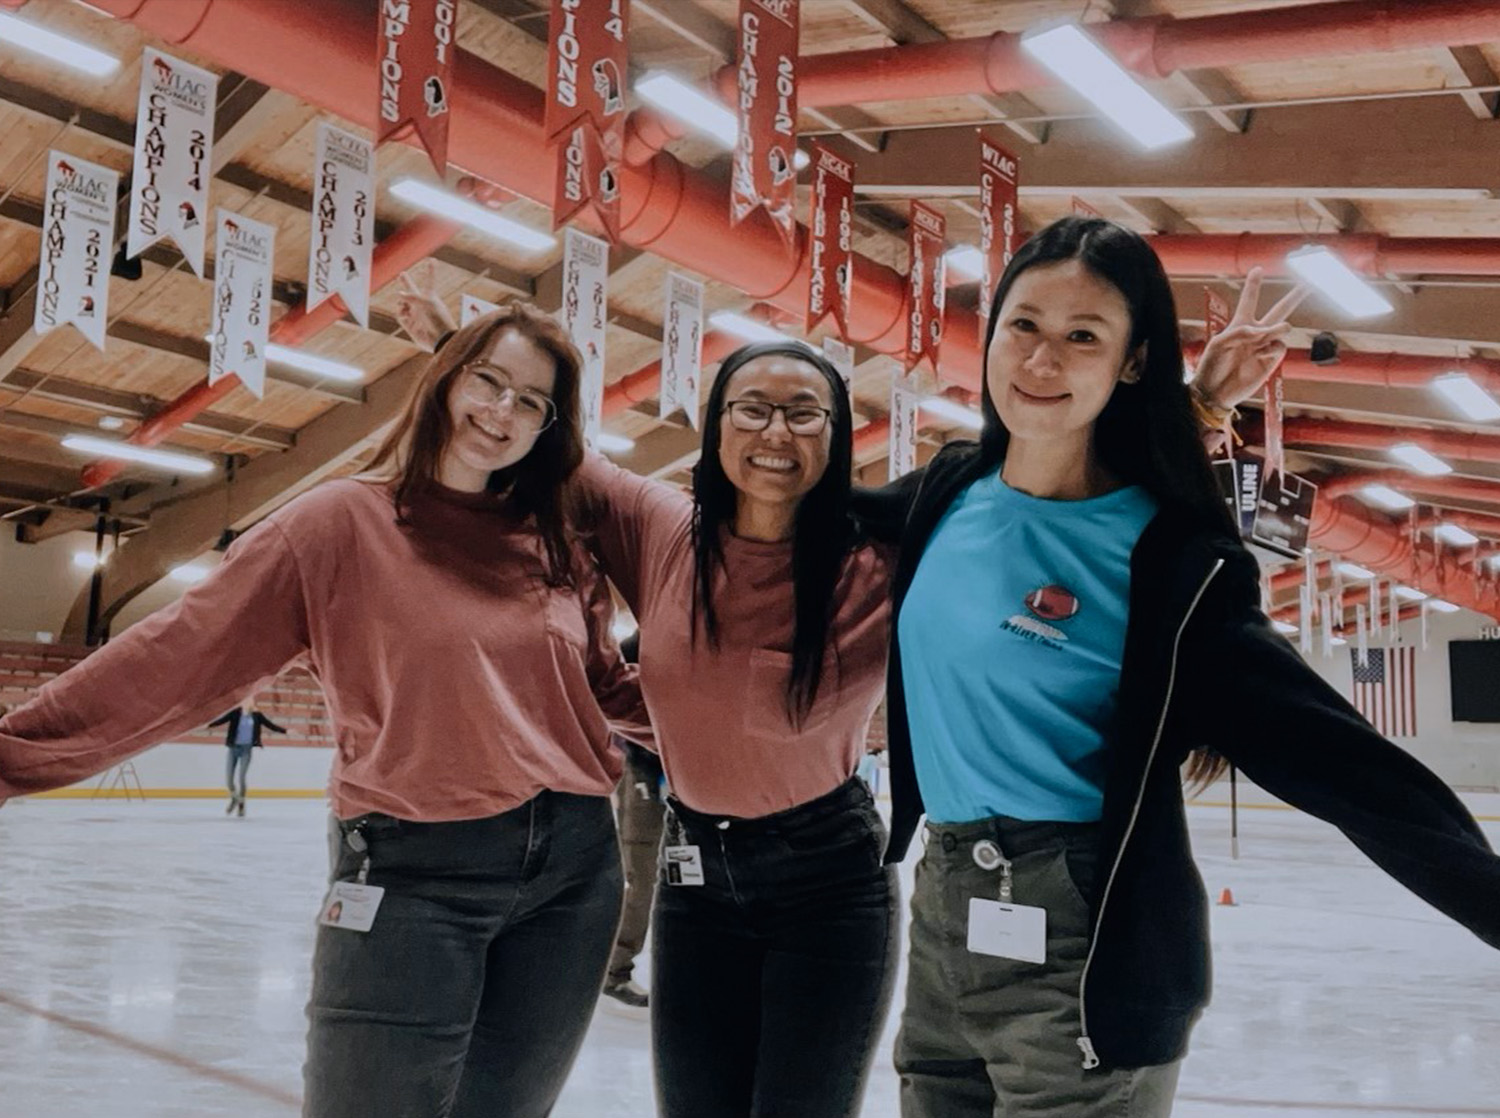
x=243, y=727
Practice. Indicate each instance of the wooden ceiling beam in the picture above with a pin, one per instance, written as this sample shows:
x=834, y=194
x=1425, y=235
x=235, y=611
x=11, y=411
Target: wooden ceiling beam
x=1467, y=66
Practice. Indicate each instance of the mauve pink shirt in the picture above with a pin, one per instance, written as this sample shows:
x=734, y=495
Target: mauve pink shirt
x=720, y=718
x=459, y=684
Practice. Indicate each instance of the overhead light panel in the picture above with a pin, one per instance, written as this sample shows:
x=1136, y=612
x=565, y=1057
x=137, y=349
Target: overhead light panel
x=190, y=572
x=743, y=326
x=311, y=363
x=1337, y=641
x=966, y=260
x=147, y=456
x=1410, y=594
x=110, y=422
x=1320, y=268
x=33, y=37
x=1442, y=606
x=1455, y=536
x=1414, y=457
x=1387, y=498
x=1284, y=628
x=445, y=203
x=614, y=444
x=685, y=102
x=1093, y=73
x=1355, y=571
x=1465, y=395
x=951, y=409
x=88, y=561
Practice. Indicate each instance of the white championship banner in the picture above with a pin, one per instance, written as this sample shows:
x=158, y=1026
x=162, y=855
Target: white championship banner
x=242, y=301
x=682, y=347
x=471, y=307
x=343, y=222
x=903, y=439
x=585, y=284
x=174, y=140
x=78, y=236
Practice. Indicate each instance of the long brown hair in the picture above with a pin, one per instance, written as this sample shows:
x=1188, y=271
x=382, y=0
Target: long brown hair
x=537, y=484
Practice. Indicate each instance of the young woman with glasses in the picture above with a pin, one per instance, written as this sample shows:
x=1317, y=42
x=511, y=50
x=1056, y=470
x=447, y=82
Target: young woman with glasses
x=462, y=641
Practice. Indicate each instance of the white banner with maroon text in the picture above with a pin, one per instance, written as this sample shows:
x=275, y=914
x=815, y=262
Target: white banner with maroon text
x=903, y=438
x=78, y=236
x=999, y=194
x=587, y=65
x=682, y=347
x=174, y=141
x=243, y=252
x=418, y=40
x=925, y=295
x=471, y=307
x=585, y=289
x=831, y=244
x=343, y=222
x=764, y=172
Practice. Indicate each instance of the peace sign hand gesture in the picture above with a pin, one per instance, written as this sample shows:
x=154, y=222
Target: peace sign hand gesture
x=1238, y=360
x=420, y=309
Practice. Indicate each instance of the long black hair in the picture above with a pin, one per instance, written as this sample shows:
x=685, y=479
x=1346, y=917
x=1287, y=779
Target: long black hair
x=822, y=534
x=1147, y=434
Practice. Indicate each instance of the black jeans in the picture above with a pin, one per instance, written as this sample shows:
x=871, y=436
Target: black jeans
x=470, y=995
x=771, y=981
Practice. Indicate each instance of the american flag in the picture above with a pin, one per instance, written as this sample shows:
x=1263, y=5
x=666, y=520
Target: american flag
x=1385, y=690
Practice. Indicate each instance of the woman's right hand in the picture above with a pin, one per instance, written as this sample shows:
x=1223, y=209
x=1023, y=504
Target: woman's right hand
x=420, y=310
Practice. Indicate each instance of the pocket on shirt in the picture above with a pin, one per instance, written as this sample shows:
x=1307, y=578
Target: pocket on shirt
x=766, y=712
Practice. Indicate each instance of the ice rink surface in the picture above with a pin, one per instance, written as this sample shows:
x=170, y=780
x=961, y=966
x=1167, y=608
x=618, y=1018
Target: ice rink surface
x=154, y=962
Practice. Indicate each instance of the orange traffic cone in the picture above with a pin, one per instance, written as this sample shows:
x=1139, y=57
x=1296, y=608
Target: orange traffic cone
x=1226, y=897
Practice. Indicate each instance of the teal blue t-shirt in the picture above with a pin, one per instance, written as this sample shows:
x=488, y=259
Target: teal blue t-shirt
x=1011, y=640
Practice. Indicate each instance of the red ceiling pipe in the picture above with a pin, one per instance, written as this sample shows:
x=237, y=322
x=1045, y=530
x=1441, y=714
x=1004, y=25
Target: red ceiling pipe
x=1421, y=488
x=1382, y=370
x=1152, y=47
x=1234, y=254
x=1480, y=523
x=1375, y=436
x=1293, y=613
x=413, y=242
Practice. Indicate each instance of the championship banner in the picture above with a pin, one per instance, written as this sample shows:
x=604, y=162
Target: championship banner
x=417, y=44
x=1083, y=209
x=1275, y=408
x=78, y=237
x=1215, y=313
x=343, y=222
x=174, y=141
x=681, y=347
x=764, y=173
x=925, y=294
x=471, y=307
x=999, y=195
x=831, y=246
x=587, y=62
x=841, y=356
x=903, y=440
x=242, y=301
x=585, y=280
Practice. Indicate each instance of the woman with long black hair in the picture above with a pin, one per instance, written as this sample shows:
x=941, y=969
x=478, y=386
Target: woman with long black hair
x=1076, y=618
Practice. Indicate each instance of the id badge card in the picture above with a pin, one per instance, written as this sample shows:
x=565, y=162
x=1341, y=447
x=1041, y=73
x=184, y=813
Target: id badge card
x=684, y=865
x=351, y=906
x=1008, y=931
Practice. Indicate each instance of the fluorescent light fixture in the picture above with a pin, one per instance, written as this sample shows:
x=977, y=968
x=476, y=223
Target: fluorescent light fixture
x=1461, y=391
x=1320, y=268
x=1093, y=73
x=1494, y=561
x=190, y=572
x=30, y=36
x=1455, y=536
x=1386, y=498
x=311, y=363
x=128, y=452
x=1355, y=571
x=966, y=260
x=950, y=409
x=1283, y=628
x=801, y=160
x=87, y=560
x=110, y=423
x=614, y=444
x=1338, y=641
x=1409, y=594
x=744, y=326
x=685, y=102
x=1442, y=606
x=1414, y=457
x=445, y=203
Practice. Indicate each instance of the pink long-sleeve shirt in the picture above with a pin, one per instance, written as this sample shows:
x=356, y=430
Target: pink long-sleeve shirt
x=726, y=741
x=459, y=684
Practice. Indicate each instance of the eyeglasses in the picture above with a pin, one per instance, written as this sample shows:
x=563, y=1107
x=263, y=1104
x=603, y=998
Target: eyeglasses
x=756, y=415
x=487, y=386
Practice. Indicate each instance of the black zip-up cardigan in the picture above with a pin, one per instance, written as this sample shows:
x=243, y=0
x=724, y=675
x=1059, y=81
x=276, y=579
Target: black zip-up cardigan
x=1202, y=666
x=233, y=719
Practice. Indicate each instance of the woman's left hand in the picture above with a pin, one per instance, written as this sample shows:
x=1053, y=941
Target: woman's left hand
x=1239, y=359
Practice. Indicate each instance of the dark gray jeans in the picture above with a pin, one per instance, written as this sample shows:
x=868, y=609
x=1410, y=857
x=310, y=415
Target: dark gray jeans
x=471, y=994
x=983, y=1036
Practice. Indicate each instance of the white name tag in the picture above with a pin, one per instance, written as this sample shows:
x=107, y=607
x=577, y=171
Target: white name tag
x=1009, y=931
x=351, y=906
x=684, y=865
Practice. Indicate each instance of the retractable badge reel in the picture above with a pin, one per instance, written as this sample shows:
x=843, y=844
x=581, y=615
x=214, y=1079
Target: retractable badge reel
x=684, y=861
x=352, y=905
x=1001, y=928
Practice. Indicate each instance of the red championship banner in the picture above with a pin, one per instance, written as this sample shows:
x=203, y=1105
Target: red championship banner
x=999, y=193
x=830, y=255
x=418, y=41
x=925, y=295
x=1215, y=314
x=764, y=172
x=587, y=59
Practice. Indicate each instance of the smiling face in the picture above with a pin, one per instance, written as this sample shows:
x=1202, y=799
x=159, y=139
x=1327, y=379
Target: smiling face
x=1060, y=347
x=775, y=467
x=484, y=437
